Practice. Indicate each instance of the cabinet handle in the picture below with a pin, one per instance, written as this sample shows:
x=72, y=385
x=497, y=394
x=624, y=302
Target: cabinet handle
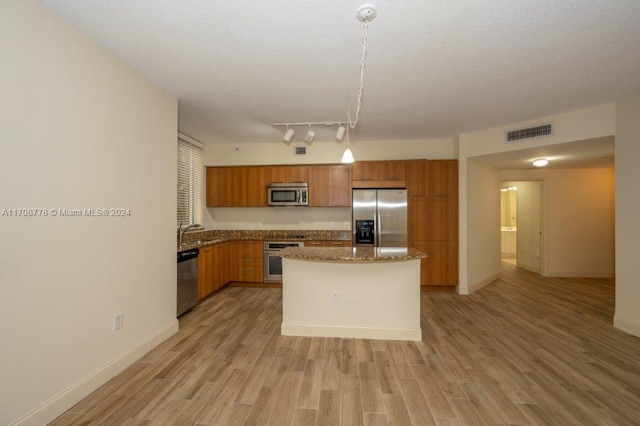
x=441, y=244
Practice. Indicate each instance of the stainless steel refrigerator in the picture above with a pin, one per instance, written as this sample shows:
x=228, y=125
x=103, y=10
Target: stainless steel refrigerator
x=379, y=218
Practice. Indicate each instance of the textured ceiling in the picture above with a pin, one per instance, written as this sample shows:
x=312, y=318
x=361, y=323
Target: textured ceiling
x=434, y=68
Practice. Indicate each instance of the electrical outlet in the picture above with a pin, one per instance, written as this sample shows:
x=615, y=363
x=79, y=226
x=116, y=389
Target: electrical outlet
x=335, y=296
x=118, y=321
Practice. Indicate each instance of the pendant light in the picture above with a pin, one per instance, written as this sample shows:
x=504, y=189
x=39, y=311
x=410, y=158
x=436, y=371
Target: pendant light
x=347, y=156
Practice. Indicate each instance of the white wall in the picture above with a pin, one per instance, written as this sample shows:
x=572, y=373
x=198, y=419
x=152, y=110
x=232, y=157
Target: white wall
x=578, y=226
x=80, y=129
x=324, y=152
x=583, y=124
x=483, y=243
x=627, y=315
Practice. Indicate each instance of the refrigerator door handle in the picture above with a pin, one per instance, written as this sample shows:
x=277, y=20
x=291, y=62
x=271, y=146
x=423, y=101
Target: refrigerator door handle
x=378, y=239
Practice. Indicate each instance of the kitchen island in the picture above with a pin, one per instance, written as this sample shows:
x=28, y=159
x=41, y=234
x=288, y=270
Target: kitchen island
x=362, y=292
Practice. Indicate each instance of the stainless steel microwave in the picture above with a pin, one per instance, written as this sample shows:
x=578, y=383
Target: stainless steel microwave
x=288, y=194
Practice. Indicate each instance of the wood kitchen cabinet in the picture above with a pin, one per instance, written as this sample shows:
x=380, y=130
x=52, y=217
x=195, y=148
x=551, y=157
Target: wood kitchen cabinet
x=432, y=198
x=205, y=269
x=329, y=186
x=288, y=174
x=443, y=223
x=365, y=170
x=378, y=174
x=220, y=261
x=246, y=261
x=443, y=194
x=213, y=273
x=418, y=211
x=328, y=243
x=246, y=186
x=443, y=263
x=237, y=186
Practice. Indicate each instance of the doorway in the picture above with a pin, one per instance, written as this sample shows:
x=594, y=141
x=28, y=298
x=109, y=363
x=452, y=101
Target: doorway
x=521, y=224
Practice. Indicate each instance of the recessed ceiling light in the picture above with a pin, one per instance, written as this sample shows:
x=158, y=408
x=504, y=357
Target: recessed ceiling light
x=540, y=162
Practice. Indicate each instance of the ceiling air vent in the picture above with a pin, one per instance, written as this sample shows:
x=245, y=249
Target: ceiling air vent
x=300, y=150
x=529, y=133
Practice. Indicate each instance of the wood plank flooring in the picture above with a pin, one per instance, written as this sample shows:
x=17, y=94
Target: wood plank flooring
x=524, y=350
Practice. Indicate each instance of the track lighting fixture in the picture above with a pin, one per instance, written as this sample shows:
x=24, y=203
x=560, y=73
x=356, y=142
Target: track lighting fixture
x=365, y=15
x=288, y=135
x=310, y=135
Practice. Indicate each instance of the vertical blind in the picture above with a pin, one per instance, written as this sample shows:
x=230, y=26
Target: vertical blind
x=190, y=177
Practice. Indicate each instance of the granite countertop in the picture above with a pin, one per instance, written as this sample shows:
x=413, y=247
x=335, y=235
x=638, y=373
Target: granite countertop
x=355, y=254
x=197, y=239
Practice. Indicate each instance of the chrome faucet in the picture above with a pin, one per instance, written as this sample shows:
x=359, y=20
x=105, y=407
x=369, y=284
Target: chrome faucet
x=182, y=229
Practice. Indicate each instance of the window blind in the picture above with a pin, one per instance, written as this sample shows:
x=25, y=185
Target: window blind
x=190, y=177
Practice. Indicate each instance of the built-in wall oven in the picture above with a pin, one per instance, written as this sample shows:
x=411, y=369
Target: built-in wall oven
x=273, y=262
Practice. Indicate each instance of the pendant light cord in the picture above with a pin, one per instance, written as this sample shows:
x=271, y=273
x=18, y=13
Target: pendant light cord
x=363, y=60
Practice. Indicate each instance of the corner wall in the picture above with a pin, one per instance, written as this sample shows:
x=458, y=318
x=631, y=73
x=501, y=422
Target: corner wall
x=483, y=238
x=627, y=314
x=81, y=130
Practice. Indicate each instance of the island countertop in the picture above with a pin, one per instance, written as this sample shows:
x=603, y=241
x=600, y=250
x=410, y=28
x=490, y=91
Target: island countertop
x=355, y=254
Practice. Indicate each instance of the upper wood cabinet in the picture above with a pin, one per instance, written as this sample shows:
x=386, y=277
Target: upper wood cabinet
x=417, y=177
x=379, y=170
x=246, y=186
x=237, y=186
x=391, y=170
x=288, y=174
x=365, y=170
x=378, y=174
x=329, y=186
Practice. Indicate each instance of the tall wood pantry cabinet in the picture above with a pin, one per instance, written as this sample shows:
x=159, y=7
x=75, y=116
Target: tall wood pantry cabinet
x=432, y=192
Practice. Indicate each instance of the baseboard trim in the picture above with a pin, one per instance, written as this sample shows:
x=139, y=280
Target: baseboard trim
x=580, y=274
x=626, y=325
x=307, y=330
x=66, y=399
x=486, y=281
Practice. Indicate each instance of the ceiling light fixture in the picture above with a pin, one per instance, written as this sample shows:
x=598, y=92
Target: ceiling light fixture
x=365, y=15
x=310, y=135
x=288, y=135
x=540, y=162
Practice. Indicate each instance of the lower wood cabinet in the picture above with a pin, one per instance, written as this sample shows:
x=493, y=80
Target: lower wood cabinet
x=443, y=263
x=246, y=261
x=213, y=270
x=328, y=243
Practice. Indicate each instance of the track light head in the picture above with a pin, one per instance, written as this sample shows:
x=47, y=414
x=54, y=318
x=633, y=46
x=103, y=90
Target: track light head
x=340, y=133
x=310, y=135
x=288, y=135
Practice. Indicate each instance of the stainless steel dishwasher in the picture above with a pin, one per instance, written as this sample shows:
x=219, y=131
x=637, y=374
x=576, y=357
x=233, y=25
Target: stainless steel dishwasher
x=187, y=282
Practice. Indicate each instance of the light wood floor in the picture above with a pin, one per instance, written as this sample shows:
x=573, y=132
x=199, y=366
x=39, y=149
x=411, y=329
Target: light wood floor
x=523, y=350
